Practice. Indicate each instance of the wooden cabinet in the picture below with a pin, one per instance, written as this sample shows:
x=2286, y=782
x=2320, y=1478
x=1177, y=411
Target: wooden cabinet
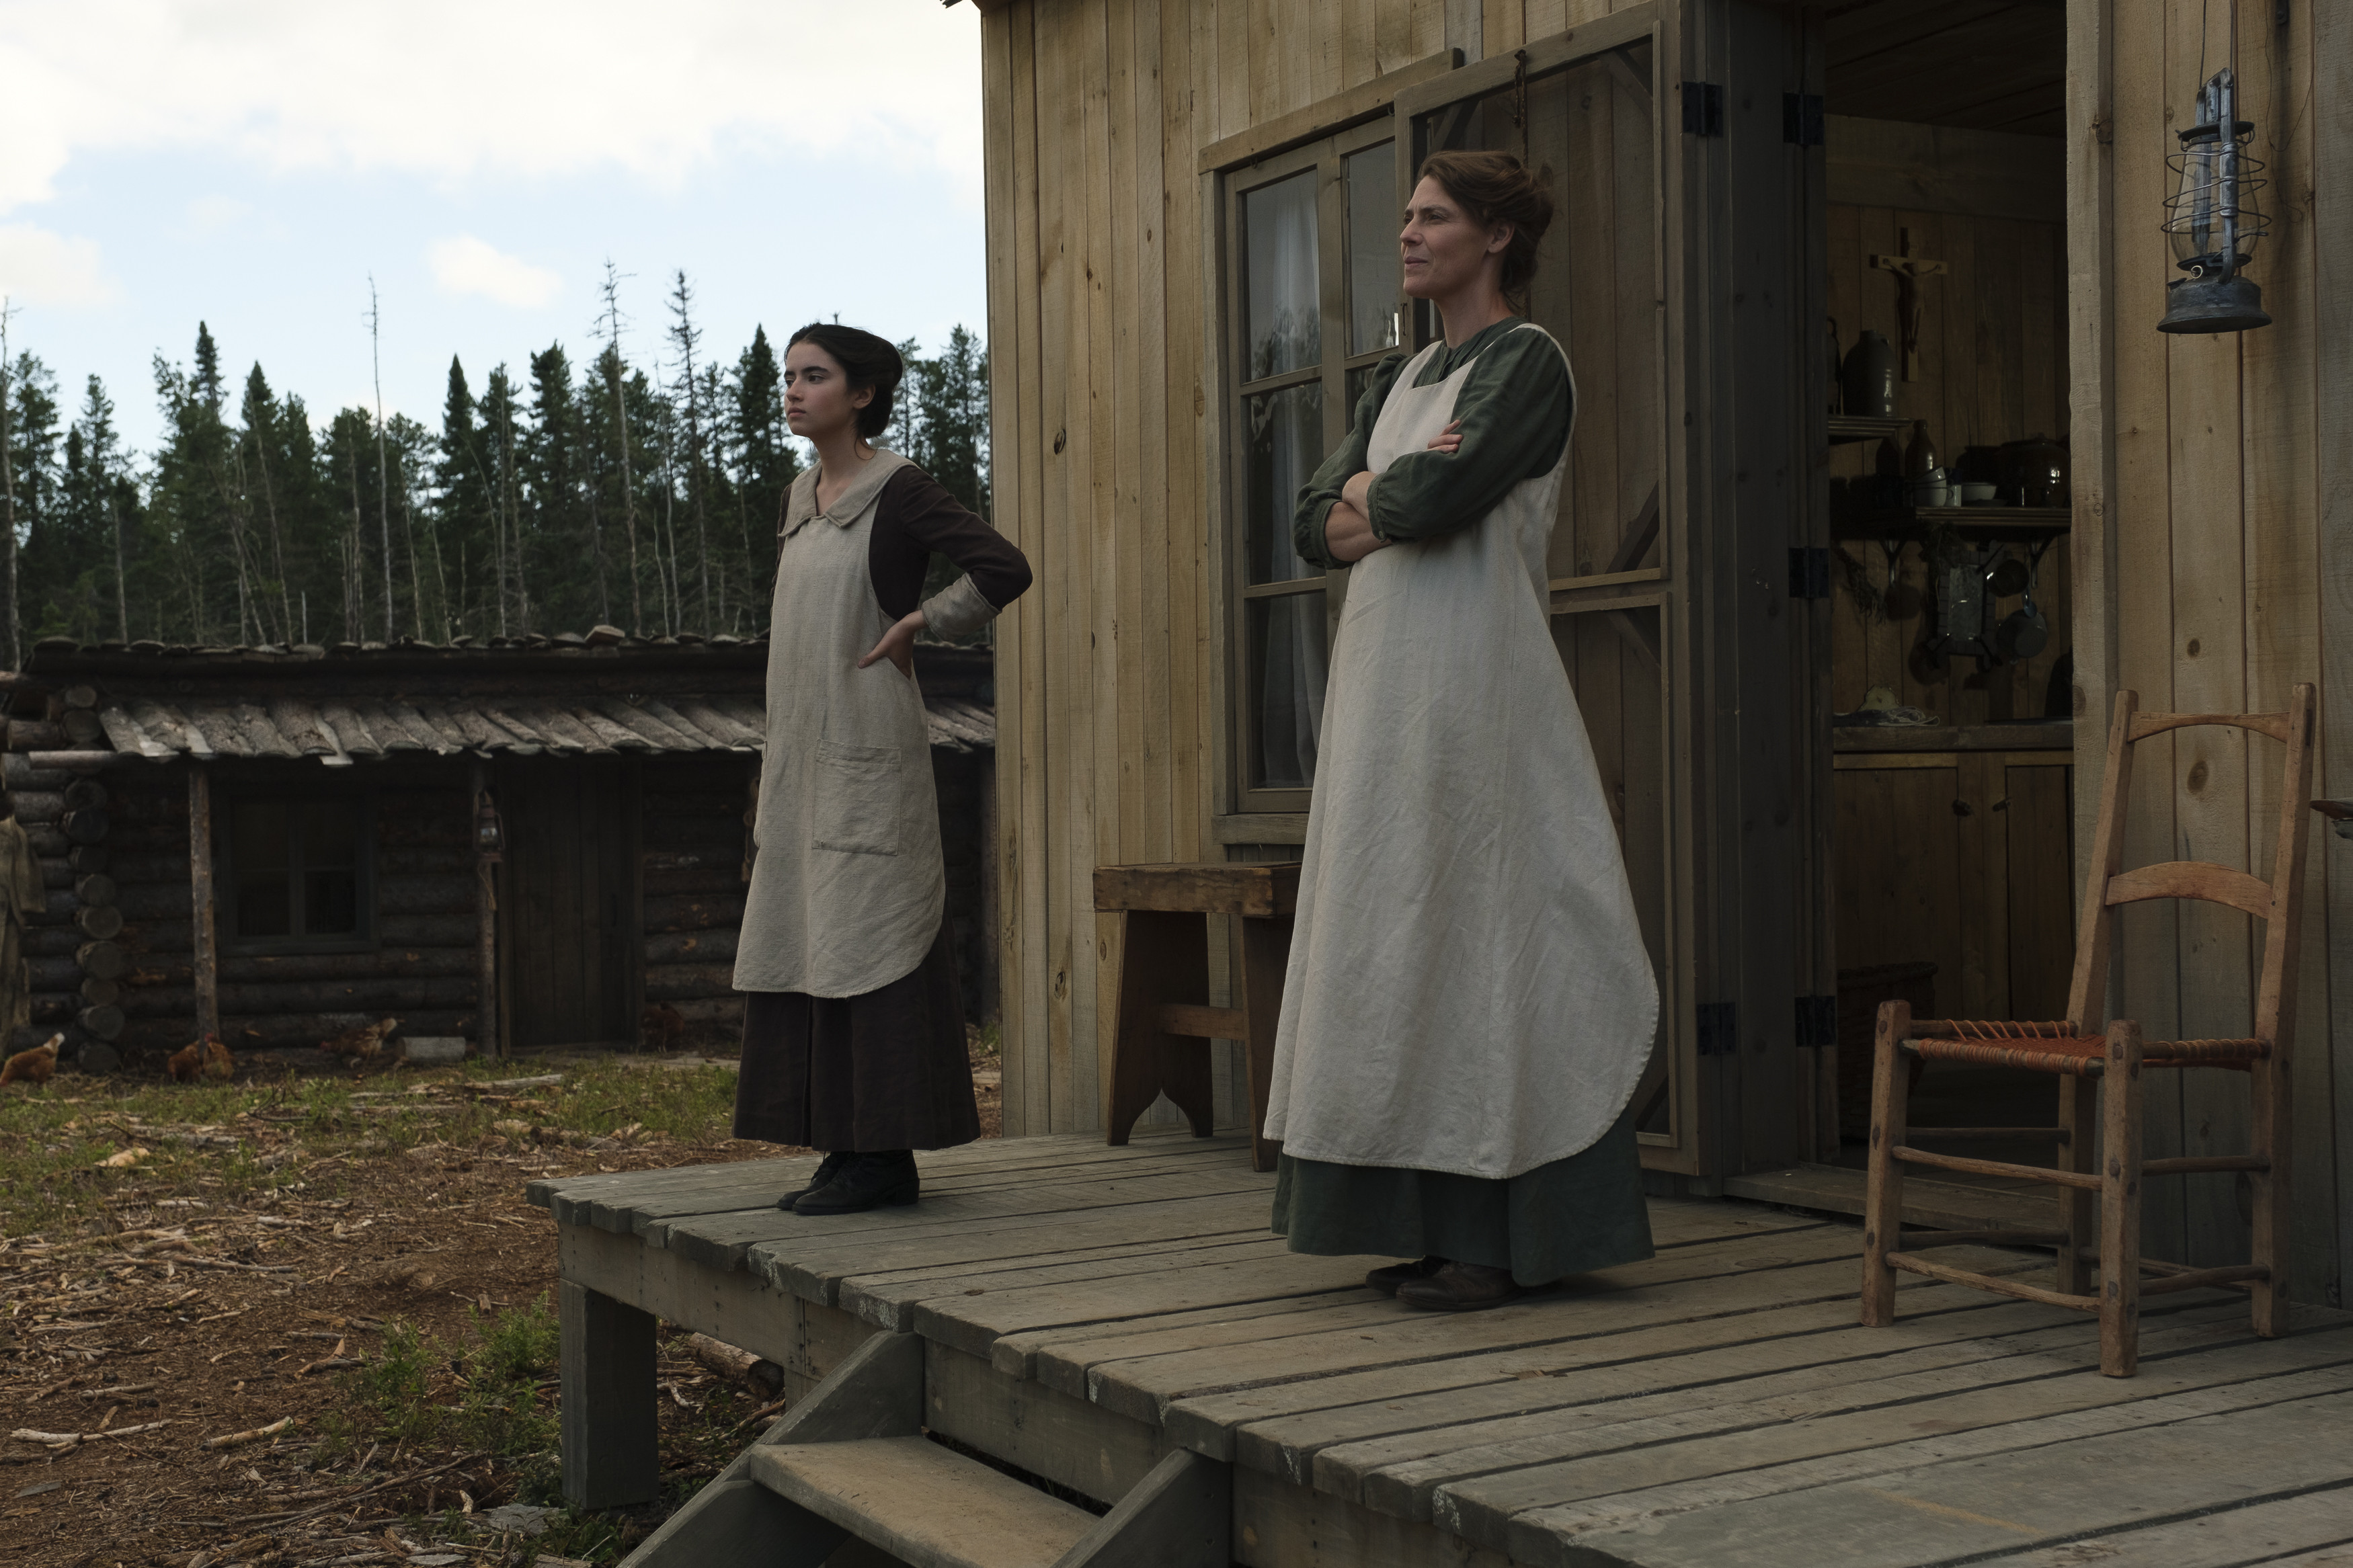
x=1960, y=856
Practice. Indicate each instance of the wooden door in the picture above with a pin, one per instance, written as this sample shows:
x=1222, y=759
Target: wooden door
x=571, y=954
x=1668, y=276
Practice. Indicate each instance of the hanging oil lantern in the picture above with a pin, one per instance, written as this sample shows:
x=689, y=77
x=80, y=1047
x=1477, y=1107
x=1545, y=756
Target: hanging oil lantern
x=489, y=834
x=2212, y=219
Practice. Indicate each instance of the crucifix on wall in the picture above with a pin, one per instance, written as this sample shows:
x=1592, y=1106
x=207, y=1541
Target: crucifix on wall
x=1908, y=269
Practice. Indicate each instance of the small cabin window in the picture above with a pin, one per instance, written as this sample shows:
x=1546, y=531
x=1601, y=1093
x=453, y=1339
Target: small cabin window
x=299, y=873
x=1313, y=306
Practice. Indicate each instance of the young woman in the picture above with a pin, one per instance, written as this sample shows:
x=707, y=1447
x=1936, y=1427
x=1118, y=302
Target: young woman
x=853, y=1031
x=1469, y=1005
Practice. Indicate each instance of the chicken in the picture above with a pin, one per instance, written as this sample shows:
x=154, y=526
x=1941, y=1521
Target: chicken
x=34, y=1066
x=207, y=1057
x=663, y=1026
x=361, y=1043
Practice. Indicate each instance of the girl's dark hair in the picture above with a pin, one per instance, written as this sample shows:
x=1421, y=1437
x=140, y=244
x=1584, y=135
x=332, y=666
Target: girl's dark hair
x=867, y=360
x=1497, y=188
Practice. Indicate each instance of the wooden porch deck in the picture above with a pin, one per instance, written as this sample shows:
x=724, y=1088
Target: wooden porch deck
x=1085, y=1312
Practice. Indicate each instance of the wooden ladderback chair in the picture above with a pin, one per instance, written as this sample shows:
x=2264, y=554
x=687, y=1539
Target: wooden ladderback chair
x=2100, y=1078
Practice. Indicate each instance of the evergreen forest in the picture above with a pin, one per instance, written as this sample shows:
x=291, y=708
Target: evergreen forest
x=582, y=490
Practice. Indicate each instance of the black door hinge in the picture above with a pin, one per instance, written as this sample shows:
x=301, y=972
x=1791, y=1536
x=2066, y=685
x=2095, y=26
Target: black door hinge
x=1703, y=109
x=1809, y=571
x=1719, y=1029
x=1817, y=1020
x=1801, y=119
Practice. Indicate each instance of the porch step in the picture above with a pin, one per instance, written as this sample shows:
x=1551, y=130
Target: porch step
x=922, y=1503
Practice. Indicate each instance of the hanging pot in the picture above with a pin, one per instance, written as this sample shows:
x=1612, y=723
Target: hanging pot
x=2034, y=472
x=1868, y=377
x=2023, y=633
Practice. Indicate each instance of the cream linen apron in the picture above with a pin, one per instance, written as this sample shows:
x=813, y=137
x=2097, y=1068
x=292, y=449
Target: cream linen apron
x=1467, y=989
x=848, y=889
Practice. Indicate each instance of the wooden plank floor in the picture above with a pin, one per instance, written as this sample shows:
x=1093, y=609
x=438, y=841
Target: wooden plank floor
x=1713, y=1407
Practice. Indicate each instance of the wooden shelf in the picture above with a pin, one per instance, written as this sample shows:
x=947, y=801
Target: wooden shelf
x=2012, y=735
x=2005, y=524
x=1850, y=427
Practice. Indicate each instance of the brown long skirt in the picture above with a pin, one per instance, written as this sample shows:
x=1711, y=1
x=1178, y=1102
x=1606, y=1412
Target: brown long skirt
x=886, y=1069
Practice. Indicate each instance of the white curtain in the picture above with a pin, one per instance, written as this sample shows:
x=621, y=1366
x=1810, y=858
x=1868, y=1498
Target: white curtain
x=1287, y=445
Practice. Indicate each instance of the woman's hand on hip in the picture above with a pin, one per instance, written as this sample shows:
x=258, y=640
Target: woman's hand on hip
x=898, y=644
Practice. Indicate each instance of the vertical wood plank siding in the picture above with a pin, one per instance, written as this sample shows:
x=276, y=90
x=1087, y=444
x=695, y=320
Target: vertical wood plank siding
x=2210, y=480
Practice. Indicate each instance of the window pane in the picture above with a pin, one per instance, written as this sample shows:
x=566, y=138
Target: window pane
x=331, y=904
x=1596, y=287
x=1287, y=659
x=1358, y=379
x=1286, y=326
x=263, y=907
x=1286, y=445
x=331, y=835
x=1372, y=248
x=259, y=846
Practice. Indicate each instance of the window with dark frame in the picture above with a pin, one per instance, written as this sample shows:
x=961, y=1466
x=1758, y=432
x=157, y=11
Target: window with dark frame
x=299, y=873
x=1313, y=304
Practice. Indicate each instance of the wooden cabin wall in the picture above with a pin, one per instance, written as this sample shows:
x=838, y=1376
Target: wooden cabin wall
x=422, y=970
x=691, y=861
x=1108, y=670
x=2213, y=556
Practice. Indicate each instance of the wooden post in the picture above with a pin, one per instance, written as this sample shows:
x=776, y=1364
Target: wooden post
x=992, y=950
x=490, y=1039
x=611, y=1457
x=2276, y=1009
x=1266, y=955
x=2079, y=1115
x=1883, y=1193
x=206, y=953
x=2120, y=1105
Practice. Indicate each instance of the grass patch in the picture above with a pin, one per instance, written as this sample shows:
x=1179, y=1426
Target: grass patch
x=490, y=1394
x=233, y=1142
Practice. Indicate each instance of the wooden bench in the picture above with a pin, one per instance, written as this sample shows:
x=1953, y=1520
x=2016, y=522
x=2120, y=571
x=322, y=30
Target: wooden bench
x=1165, y=1023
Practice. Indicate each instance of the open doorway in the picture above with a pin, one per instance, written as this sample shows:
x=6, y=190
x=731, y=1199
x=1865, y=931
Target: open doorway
x=1951, y=681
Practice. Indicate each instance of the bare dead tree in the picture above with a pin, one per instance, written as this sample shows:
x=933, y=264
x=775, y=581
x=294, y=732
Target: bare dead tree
x=383, y=470
x=612, y=320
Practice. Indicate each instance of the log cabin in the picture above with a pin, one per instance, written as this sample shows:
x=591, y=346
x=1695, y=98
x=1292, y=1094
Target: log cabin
x=280, y=844
x=1191, y=260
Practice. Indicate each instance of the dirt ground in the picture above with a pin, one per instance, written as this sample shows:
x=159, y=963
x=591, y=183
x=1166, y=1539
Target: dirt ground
x=274, y=1344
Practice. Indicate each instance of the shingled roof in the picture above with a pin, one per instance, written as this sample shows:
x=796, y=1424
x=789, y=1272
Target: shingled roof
x=602, y=694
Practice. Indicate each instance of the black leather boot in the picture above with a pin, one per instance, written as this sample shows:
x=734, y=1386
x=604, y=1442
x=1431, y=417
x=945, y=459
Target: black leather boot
x=867, y=1182
x=827, y=1168
x=1460, y=1288
x=1387, y=1280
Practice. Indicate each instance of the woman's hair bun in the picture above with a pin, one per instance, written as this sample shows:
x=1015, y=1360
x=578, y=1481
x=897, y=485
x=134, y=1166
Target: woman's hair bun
x=1497, y=188
x=867, y=360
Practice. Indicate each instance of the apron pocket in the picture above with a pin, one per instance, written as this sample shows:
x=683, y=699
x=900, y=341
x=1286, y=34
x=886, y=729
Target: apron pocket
x=857, y=798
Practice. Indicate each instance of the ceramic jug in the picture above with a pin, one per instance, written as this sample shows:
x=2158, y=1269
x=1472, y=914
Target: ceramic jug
x=1869, y=377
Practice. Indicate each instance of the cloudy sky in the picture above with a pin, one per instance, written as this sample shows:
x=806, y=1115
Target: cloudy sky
x=252, y=162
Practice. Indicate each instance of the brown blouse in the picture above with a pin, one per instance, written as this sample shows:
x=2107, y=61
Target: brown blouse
x=916, y=517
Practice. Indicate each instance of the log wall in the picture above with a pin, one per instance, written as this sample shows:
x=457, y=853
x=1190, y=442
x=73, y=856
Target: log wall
x=691, y=868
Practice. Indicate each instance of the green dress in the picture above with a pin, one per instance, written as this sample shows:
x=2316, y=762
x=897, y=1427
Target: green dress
x=1574, y=1215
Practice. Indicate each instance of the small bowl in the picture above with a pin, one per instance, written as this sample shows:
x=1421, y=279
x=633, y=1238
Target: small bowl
x=1974, y=492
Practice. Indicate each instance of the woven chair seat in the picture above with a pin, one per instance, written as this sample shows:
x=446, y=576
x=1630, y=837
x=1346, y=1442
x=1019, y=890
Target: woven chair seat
x=2059, y=1048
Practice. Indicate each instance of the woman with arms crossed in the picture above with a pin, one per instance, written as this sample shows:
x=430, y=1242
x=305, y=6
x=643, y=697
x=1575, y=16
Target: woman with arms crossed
x=1469, y=1005
x=853, y=1031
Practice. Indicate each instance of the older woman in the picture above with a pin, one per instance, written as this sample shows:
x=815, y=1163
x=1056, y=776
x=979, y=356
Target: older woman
x=853, y=1031
x=1470, y=1004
